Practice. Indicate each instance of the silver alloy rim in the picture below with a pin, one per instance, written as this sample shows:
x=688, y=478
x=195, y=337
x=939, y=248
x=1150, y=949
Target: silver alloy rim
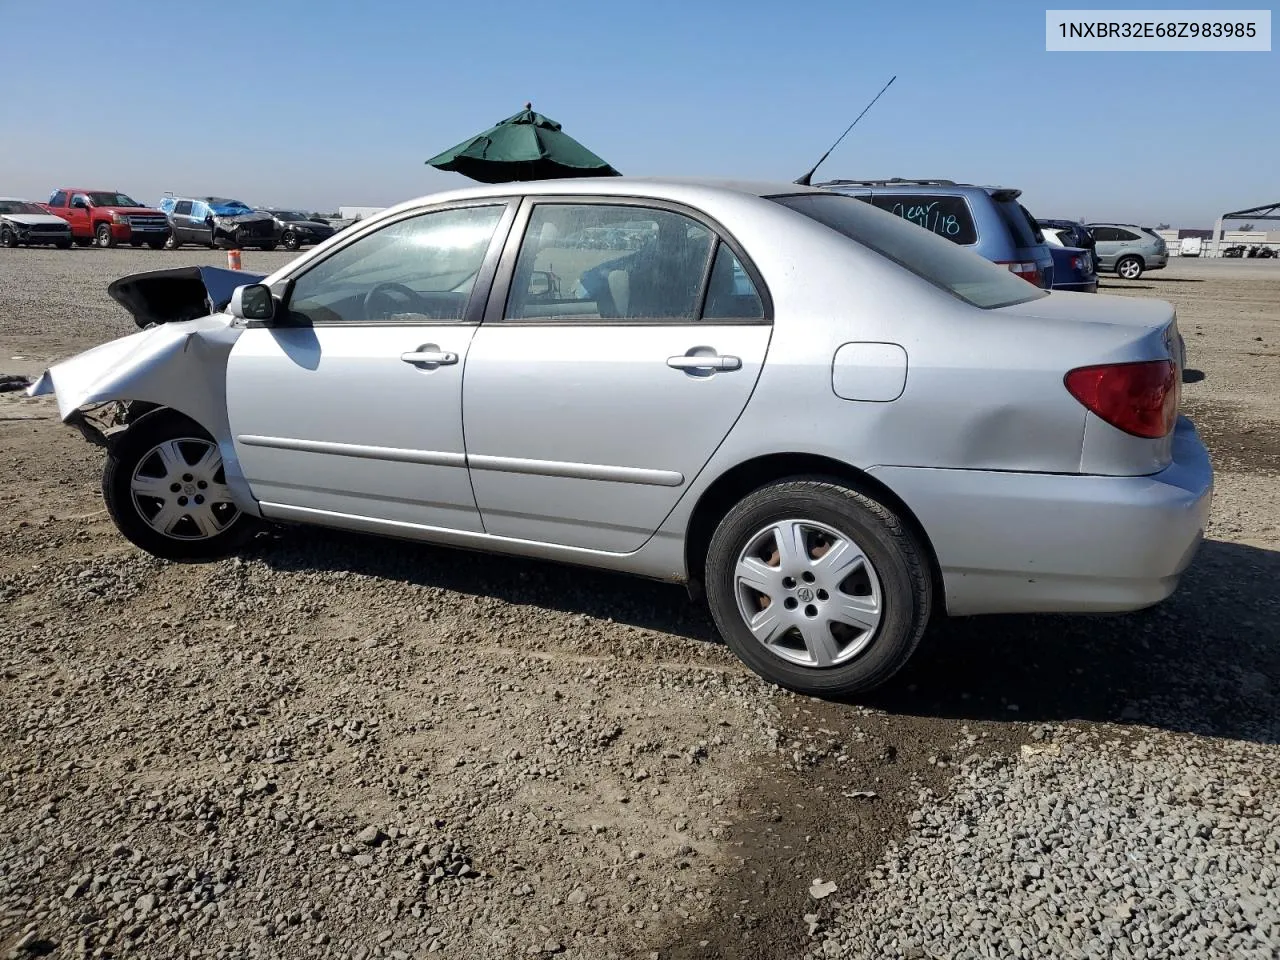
x=1129, y=269
x=808, y=593
x=179, y=488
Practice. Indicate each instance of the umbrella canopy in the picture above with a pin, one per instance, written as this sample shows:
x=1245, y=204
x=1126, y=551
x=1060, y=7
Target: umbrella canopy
x=527, y=146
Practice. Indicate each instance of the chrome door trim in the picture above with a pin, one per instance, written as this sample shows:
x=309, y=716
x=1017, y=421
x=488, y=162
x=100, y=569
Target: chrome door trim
x=435, y=458
x=576, y=471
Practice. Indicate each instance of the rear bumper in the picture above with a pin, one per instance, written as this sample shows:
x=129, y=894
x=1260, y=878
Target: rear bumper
x=1041, y=543
x=1084, y=286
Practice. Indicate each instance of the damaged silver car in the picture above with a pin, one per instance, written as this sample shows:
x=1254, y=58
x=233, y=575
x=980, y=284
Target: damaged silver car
x=833, y=422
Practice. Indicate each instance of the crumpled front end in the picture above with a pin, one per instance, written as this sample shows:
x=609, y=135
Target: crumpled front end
x=181, y=365
x=246, y=230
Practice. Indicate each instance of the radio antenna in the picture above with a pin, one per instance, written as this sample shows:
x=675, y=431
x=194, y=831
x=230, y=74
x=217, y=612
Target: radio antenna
x=804, y=181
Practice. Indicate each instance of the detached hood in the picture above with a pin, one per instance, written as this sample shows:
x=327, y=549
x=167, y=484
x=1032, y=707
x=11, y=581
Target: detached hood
x=179, y=293
x=34, y=219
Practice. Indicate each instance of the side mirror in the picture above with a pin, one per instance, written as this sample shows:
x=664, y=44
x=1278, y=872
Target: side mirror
x=252, y=302
x=541, y=284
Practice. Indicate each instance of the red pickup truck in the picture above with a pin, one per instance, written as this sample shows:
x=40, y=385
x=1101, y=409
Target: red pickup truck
x=107, y=217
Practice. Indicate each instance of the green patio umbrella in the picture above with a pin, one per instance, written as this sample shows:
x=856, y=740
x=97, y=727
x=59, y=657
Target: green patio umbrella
x=527, y=146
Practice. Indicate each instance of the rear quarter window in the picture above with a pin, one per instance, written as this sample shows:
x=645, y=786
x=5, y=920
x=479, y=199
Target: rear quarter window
x=1017, y=221
x=948, y=217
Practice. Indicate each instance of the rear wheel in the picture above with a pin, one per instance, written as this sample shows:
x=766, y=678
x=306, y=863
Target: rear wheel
x=166, y=489
x=817, y=587
x=102, y=236
x=1129, y=267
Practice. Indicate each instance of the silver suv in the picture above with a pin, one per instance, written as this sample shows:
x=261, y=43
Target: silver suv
x=1128, y=250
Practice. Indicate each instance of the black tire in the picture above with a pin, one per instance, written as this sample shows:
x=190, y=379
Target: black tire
x=134, y=451
x=8, y=238
x=897, y=559
x=1129, y=268
x=291, y=241
x=102, y=236
x=171, y=242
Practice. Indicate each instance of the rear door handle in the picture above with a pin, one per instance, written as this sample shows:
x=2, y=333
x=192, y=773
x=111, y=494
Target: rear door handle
x=436, y=357
x=686, y=362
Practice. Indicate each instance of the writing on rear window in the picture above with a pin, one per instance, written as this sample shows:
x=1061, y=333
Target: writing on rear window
x=946, y=216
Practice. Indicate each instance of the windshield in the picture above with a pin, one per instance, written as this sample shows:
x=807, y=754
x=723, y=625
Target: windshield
x=112, y=200
x=232, y=207
x=960, y=272
x=20, y=206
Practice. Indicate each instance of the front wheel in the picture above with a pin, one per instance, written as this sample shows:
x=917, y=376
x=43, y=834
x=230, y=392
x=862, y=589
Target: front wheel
x=817, y=587
x=166, y=489
x=290, y=241
x=1129, y=267
x=102, y=236
x=8, y=238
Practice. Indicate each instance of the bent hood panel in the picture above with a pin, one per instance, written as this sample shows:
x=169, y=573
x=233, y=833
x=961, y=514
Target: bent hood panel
x=179, y=293
x=34, y=219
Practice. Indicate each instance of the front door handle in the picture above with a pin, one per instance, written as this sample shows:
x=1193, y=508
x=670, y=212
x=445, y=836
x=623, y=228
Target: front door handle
x=686, y=362
x=430, y=354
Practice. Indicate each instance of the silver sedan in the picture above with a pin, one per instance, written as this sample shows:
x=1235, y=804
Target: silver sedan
x=835, y=423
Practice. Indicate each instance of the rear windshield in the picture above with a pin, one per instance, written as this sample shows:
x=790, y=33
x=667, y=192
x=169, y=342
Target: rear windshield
x=961, y=273
x=948, y=217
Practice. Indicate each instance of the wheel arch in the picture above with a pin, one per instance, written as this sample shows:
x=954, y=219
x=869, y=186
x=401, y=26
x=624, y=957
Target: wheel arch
x=731, y=486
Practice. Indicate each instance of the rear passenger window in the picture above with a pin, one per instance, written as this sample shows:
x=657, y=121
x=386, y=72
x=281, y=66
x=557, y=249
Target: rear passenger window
x=605, y=262
x=730, y=293
x=1126, y=235
x=948, y=217
x=183, y=208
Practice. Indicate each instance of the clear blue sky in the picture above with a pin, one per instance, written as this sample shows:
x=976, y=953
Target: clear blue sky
x=317, y=103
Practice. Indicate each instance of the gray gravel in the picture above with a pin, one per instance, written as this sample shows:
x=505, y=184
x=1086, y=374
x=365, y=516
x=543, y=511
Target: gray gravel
x=1108, y=844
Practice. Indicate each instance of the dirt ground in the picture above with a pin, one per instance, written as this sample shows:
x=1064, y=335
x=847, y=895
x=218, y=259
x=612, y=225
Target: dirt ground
x=342, y=746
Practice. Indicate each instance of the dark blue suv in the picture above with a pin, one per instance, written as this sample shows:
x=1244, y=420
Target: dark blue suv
x=987, y=220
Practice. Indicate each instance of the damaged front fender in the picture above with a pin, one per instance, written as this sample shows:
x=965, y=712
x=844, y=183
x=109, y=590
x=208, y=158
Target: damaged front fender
x=180, y=365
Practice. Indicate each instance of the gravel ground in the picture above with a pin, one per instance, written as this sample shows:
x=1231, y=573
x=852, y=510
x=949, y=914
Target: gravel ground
x=336, y=746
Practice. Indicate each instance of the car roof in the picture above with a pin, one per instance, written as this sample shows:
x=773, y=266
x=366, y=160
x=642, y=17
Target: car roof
x=915, y=184
x=680, y=189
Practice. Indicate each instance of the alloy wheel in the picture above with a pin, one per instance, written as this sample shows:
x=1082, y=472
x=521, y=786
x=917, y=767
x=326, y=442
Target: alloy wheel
x=808, y=593
x=179, y=489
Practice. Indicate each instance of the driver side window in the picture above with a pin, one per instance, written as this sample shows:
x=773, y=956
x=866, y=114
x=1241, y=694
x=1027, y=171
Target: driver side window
x=410, y=271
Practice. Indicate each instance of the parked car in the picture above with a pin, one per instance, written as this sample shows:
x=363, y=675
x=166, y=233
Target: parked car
x=108, y=217
x=1128, y=250
x=833, y=422
x=988, y=220
x=218, y=222
x=1249, y=250
x=297, y=229
x=25, y=223
x=1072, y=233
x=1072, y=266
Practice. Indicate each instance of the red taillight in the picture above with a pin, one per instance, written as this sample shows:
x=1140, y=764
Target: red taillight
x=1138, y=398
x=1028, y=270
